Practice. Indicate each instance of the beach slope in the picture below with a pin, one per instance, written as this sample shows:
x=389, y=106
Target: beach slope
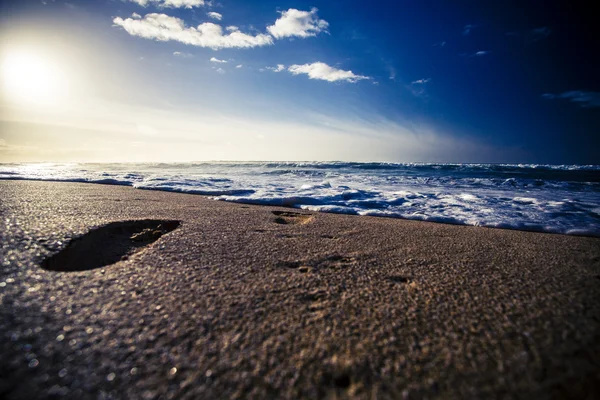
x=113, y=292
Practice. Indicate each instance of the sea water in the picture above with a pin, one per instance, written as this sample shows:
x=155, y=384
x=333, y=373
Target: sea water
x=546, y=198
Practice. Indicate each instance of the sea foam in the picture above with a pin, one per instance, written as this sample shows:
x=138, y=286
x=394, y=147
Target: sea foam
x=546, y=198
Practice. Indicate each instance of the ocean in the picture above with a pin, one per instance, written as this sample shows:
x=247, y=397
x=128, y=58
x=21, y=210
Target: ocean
x=544, y=198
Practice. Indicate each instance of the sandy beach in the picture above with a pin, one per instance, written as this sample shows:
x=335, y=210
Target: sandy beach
x=208, y=299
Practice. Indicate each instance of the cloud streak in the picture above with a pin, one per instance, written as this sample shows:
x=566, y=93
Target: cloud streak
x=531, y=36
x=162, y=27
x=418, y=87
x=170, y=3
x=298, y=23
x=582, y=98
x=480, y=53
x=535, y=35
x=421, y=81
x=322, y=71
x=182, y=55
x=229, y=136
x=467, y=29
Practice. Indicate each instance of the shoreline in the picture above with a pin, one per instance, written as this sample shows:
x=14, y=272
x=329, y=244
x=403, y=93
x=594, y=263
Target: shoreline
x=576, y=232
x=243, y=300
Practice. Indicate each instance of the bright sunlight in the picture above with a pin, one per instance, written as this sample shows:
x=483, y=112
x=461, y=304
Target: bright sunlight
x=32, y=77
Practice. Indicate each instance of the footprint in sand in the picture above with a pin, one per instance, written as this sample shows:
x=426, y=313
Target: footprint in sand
x=400, y=279
x=334, y=261
x=108, y=244
x=288, y=217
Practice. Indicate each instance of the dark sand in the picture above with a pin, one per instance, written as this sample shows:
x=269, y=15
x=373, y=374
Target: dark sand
x=260, y=302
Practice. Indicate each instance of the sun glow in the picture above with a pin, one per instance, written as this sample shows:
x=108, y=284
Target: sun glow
x=32, y=77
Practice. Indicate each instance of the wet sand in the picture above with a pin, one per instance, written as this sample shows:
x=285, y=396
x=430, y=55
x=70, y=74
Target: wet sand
x=207, y=299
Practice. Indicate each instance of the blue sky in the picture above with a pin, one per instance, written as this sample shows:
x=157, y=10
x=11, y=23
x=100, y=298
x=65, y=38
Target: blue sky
x=405, y=81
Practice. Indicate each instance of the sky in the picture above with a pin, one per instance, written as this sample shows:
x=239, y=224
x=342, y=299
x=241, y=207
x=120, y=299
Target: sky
x=392, y=81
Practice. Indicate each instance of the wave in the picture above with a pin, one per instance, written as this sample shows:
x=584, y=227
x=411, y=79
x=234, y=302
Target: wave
x=545, y=198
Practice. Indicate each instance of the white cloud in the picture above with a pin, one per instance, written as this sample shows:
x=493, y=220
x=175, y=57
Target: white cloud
x=278, y=68
x=164, y=28
x=298, y=23
x=421, y=81
x=215, y=15
x=182, y=55
x=239, y=66
x=220, y=70
x=418, y=87
x=216, y=60
x=170, y=3
x=322, y=71
x=480, y=53
x=392, y=73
